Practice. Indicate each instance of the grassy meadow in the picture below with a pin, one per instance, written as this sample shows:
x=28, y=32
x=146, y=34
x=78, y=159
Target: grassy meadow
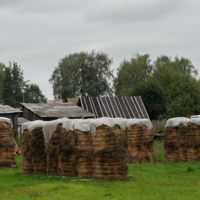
x=158, y=181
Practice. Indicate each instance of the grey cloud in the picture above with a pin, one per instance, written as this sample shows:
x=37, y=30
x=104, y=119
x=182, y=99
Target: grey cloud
x=36, y=34
x=133, y=12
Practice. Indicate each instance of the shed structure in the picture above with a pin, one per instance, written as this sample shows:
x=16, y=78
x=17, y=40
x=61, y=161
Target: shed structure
x=52, y=111
x=114, y=107
x=11, y=113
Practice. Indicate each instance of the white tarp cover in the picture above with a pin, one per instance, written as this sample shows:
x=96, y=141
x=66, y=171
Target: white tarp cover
x=106, y=121
x=132, y=122
x=195, y=116
x=195, y=121
x=50, y=127
x=84, y=125
x=5, y=119
x=175, y=122
x=80, y=124
x=32, y=125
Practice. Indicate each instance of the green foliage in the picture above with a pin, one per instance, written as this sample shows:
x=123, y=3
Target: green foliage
x=2, y=76
x=13, y=85
x=182, y=105
x=153, y=97
x=82, y=74
x=16, y=90
x=168, y=88
x=131, y=73
x=33, y=94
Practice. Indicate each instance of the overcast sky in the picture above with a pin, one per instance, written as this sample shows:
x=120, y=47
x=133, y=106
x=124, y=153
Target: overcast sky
x=36, y=34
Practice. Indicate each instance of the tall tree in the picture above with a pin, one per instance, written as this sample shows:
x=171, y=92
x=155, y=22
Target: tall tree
x=153, y=98
x=2, y=76
x=13, y=85
x=33, y=94
x=132, y=72
x=82, y=74
x=162, y=86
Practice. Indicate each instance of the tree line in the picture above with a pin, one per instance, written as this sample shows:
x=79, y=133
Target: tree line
x=168, y=87
x=14, y=89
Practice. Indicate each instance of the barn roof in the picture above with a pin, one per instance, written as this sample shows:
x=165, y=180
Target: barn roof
x=4, y=109
x=57, y=110
x=123, y=107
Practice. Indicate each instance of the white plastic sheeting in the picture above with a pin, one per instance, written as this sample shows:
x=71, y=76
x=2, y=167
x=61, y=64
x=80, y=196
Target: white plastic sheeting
x=5, y=119
x=132, y=122
x=195, y=121
x=84, y=125
x=50, y=127
x=176, y=121
x=32, y=125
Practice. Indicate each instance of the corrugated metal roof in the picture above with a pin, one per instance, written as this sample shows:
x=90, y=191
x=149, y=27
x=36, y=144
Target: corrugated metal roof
x=4, y=109
x=123, y=107
x=58, y=110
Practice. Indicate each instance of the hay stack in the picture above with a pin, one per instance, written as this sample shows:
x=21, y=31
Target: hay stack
x=67, y=153
x=33, y=147
x=171, y=144
x=51, y=150
x=84, y=147
x=27, y=167
x=140, y=140
x=193, y=139
x=8, y=146
x=109, y=153
x=182, y=154
x=52, y=133
x=176, y=139
x=38, y=151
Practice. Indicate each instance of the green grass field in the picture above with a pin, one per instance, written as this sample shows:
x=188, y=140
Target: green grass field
x=157, y=181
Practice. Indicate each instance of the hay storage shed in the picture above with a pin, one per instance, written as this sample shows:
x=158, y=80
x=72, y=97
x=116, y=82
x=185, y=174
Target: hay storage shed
x=11, y=113
x=114, y=107
x=52, y=111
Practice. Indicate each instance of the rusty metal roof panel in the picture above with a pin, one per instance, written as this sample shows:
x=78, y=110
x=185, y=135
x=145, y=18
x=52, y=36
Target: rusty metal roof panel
x=58, y=110
x=123, y=107
x=4, y=109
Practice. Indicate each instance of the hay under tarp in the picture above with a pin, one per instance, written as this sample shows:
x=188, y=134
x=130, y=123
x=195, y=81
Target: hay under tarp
x=109, y=151
x=182, y=140
x=52, y=133
x=83, y=145
x=67, y=153
x=33, y=147
x=86, y=147
x=8, y=146
x=139, y=141
x=193, y=139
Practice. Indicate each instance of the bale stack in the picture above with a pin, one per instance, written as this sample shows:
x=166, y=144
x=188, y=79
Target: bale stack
x=67, y=153
x=109, y=155
x=52, y=133
x=34, y=152
x=193, y=139
x=175, y=137
x=8, y=146
x=140, y=140
x=182, y=154
x=171, y=144
x=27, y=167
x=84, y=147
